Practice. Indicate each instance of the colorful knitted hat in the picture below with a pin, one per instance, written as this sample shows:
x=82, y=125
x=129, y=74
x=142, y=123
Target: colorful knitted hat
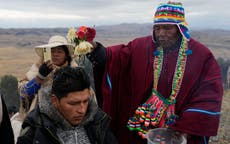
x=172, y=13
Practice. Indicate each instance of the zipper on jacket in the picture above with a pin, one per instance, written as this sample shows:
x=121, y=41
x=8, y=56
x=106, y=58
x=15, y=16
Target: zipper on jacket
x=75, y=133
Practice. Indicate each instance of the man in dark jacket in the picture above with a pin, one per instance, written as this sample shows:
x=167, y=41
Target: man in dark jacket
x=67, y=113
x=6, y=131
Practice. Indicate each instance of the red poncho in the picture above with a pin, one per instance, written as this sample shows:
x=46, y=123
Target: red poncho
x=128, y=80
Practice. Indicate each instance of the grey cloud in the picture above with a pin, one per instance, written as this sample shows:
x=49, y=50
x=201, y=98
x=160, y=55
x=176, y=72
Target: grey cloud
x=113, y=12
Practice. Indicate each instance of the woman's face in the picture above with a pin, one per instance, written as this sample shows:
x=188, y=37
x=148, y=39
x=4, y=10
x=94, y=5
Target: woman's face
x=58, y=55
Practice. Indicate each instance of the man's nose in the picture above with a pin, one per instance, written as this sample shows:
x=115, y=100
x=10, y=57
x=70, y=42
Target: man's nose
x=82, y=108
x=162, y=32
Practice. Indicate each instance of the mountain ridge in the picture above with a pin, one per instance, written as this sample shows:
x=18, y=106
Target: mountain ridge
x=109, y=35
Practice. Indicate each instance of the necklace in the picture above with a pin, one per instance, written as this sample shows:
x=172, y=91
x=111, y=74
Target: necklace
x=179, y=69
x=158, y=111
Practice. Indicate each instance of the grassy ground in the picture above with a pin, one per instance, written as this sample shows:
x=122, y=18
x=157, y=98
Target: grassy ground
x=223, y=136
x=16, y=61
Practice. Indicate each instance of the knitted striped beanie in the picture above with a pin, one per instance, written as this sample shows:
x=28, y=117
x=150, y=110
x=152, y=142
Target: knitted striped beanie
x=172, y=13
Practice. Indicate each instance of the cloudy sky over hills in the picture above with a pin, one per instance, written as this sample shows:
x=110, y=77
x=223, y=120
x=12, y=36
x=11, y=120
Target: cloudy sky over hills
x=69, y=13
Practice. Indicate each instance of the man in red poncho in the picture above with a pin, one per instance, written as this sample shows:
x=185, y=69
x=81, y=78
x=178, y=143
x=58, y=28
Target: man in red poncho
x=164, y=80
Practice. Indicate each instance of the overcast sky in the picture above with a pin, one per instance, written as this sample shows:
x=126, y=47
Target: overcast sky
x=73, y=13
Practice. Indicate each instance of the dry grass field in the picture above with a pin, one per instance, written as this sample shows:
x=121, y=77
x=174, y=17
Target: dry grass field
x=223, y=136
x=16, y=61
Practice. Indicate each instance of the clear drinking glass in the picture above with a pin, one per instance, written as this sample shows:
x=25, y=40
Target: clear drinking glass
x=164, y=136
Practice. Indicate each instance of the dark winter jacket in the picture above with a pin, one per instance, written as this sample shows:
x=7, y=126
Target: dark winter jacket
x=6, y=131
x=42, y=124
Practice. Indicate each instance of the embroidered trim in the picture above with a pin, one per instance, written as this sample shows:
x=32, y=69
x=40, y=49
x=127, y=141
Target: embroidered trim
x=109, y=81
x=165, y=100
x=30, y=89
x=205, y=141
x=202, y=111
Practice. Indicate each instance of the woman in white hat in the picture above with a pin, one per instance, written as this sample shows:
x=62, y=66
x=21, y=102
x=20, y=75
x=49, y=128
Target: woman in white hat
x=57, y=53
x=40, y=74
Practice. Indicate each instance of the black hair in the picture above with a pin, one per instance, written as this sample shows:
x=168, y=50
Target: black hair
x=68, y=57
x=12, y=109
x=69, y=79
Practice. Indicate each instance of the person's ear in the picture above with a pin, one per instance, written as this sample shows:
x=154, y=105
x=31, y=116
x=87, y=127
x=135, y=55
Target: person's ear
x=54, y=100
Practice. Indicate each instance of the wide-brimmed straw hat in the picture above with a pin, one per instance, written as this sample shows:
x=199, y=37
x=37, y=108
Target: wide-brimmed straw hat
x=55, y=41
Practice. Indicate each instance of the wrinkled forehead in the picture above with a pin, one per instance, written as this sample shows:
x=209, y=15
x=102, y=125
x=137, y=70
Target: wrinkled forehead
x=165, y=26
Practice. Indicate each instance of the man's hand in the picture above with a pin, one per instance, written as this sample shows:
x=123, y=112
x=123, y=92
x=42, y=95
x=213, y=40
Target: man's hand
x=94, y=44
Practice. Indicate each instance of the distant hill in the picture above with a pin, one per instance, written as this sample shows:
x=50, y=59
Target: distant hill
x=27, y=38
x=106, y=34
x=217, y=40
x=112, y=34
